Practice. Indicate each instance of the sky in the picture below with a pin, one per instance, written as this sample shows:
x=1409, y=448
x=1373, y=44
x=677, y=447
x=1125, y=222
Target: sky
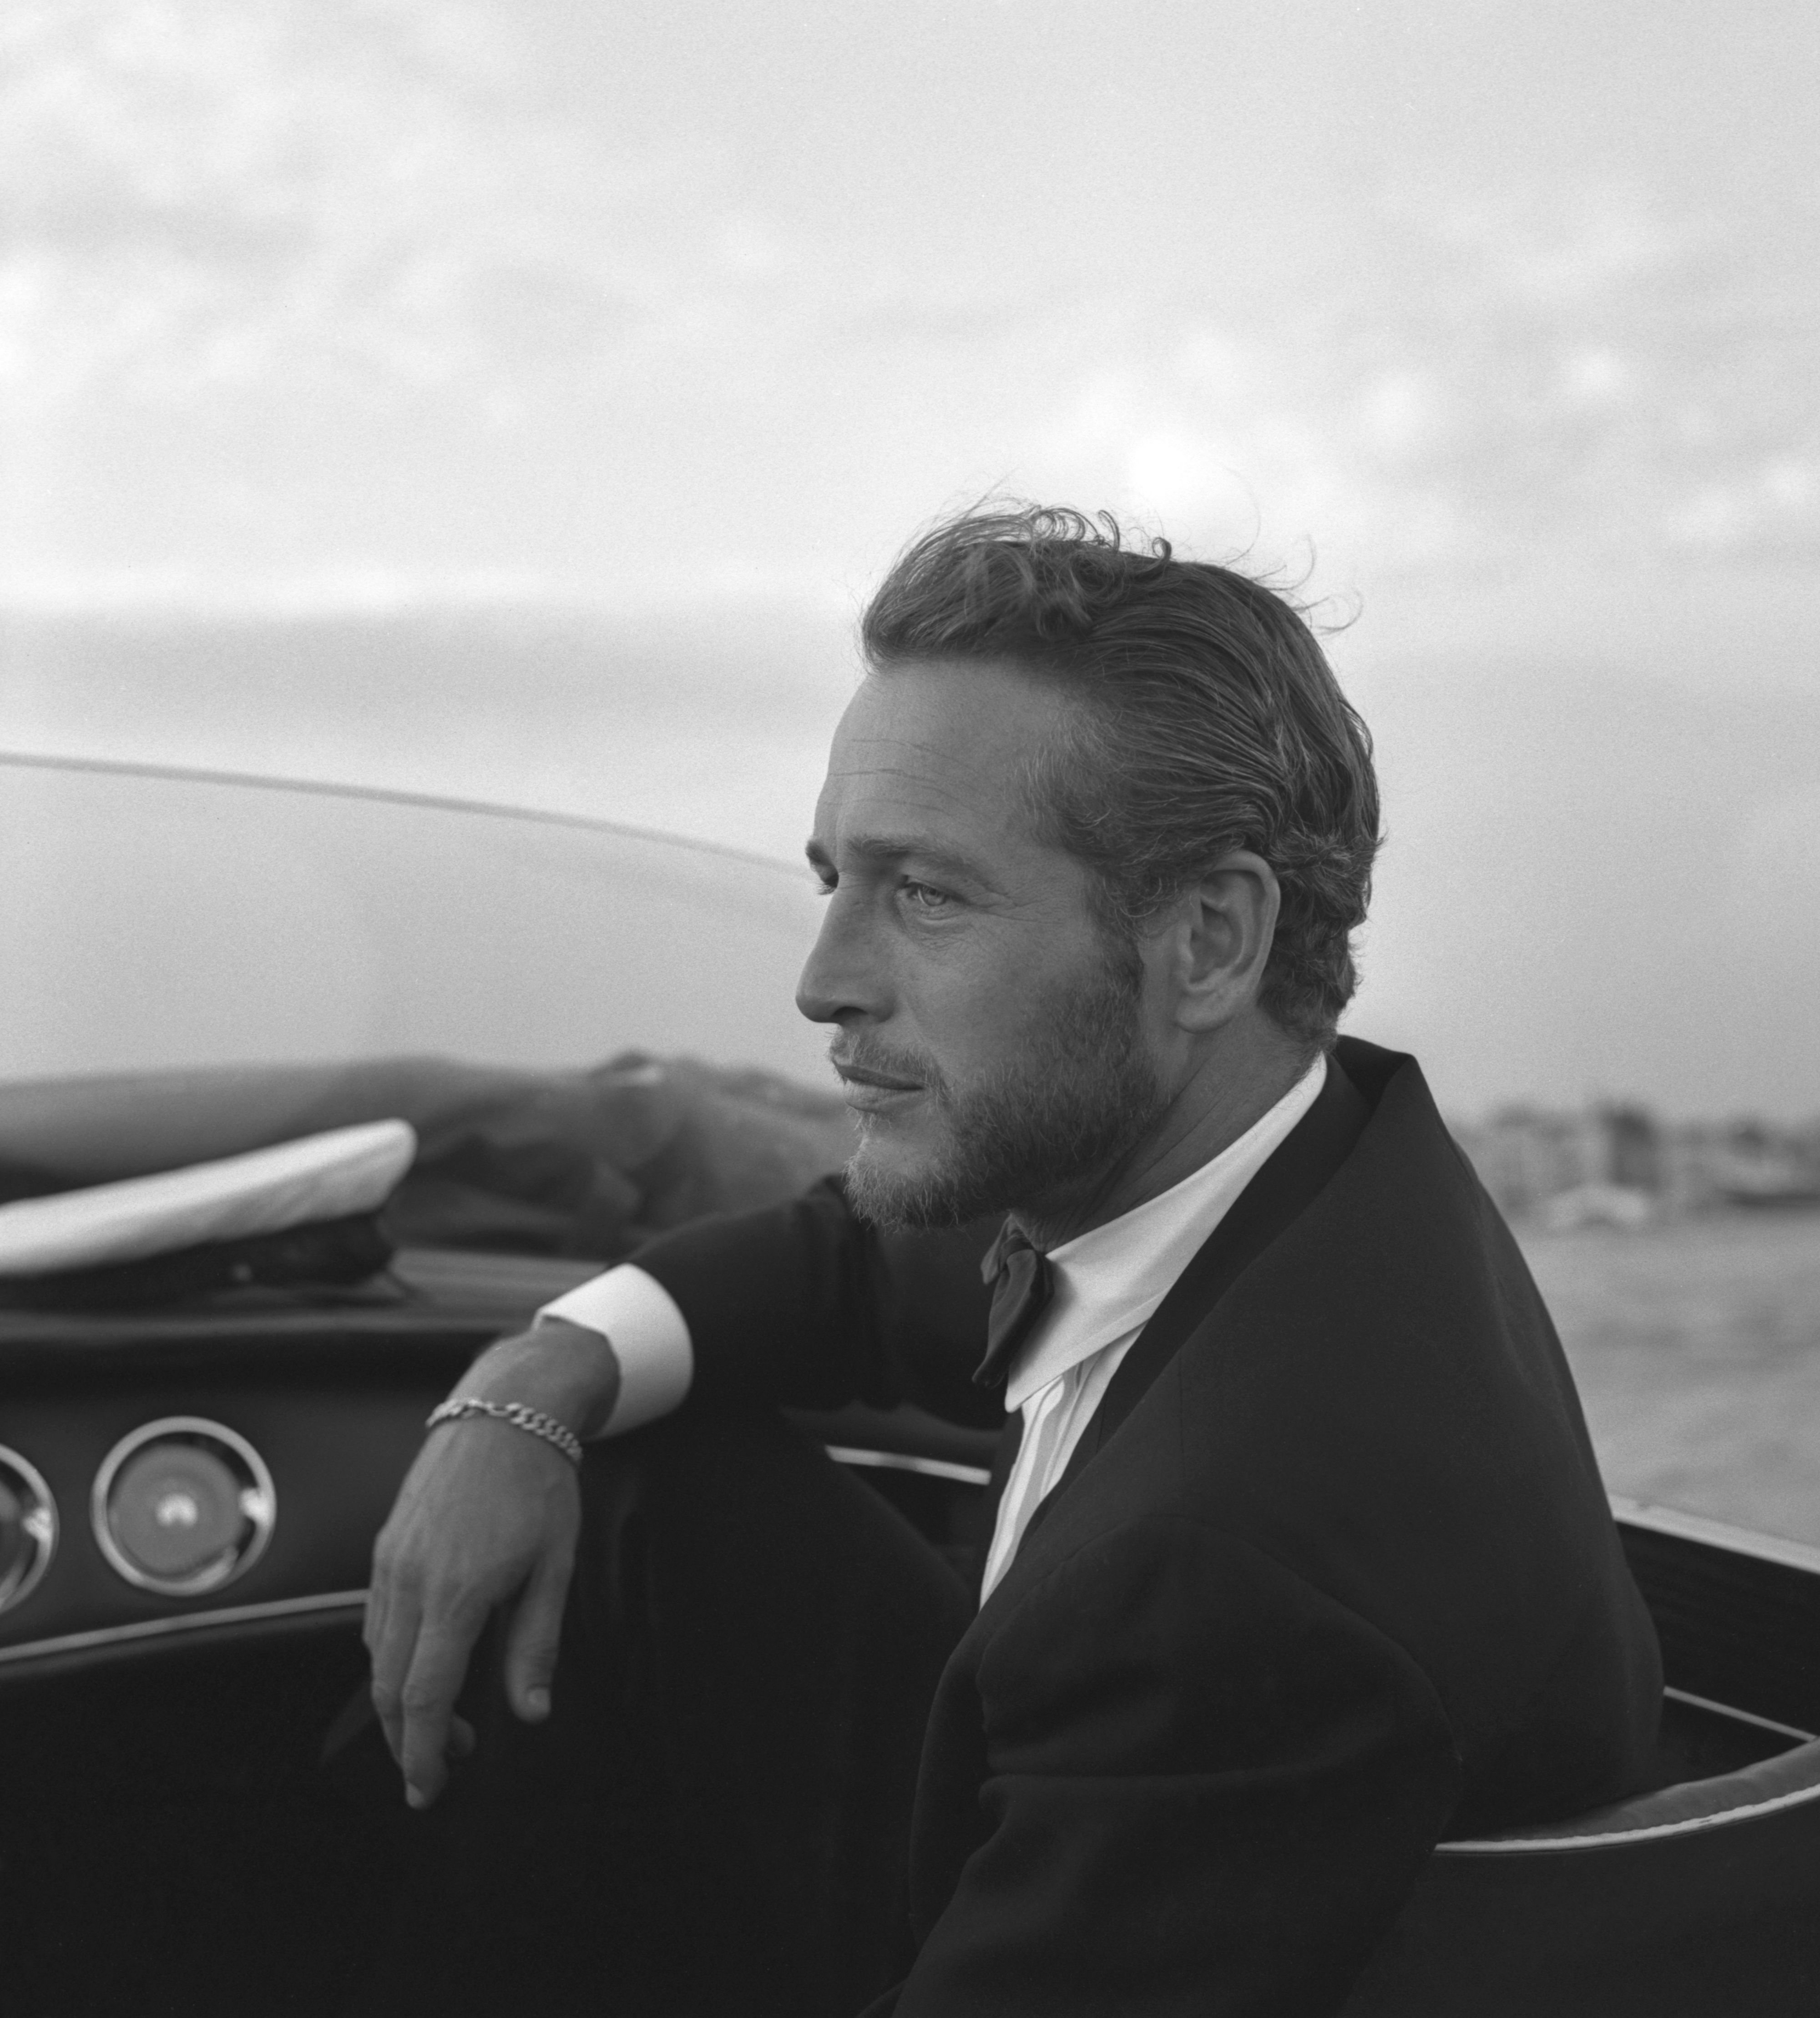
x=519, y=397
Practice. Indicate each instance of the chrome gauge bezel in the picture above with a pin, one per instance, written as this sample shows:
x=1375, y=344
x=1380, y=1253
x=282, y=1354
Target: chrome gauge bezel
x=259, y=1504
x=29, y=1487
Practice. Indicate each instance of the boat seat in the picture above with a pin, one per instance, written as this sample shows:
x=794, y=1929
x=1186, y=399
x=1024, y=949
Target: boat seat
x=1701, y=1897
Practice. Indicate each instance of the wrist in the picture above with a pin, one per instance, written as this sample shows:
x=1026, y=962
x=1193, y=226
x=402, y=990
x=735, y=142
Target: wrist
x=533, y=1422
x=560, y=1369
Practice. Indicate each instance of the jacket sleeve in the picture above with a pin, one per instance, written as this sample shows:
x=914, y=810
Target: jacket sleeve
x=802, y=1304
x=1207, y=1789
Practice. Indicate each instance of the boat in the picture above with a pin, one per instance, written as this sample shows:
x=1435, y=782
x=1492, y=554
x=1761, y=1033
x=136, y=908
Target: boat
x=587, y=1030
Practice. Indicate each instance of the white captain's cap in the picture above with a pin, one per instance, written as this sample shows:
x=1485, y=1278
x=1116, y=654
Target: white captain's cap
x=331, y=1175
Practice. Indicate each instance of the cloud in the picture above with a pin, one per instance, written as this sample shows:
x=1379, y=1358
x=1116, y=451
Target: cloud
x=207, y=193
x=262, y=266
x=1554, y=243
x=1566, y=373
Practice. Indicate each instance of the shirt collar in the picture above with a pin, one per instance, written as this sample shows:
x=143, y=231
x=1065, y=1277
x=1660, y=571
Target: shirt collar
x=1108, y=1280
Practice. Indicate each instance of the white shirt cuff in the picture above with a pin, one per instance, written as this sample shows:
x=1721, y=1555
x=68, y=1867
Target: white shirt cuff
x=639, y=1319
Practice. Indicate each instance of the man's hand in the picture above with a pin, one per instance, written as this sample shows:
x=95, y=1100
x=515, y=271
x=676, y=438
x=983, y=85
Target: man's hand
x=487, y=1517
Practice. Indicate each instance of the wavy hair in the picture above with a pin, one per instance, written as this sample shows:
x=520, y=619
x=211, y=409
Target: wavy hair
x=1209, y=720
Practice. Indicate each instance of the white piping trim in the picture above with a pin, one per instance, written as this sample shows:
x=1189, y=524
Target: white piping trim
x=930, y=1467
x=1694, y=1824
x=188, y=1622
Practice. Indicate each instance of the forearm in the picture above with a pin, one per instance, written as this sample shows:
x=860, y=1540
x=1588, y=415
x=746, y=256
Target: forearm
x=801, y=1304
x=790, y=1304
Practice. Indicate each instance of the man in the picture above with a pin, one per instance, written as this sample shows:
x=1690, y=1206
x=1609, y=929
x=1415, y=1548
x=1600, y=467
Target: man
x=1301, y=1559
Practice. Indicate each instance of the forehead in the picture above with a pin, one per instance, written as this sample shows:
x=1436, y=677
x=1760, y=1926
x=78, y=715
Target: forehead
x=938, y=749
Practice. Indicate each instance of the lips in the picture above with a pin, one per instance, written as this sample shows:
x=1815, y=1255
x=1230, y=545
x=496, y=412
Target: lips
x=869, y=1092
x=857, y=1076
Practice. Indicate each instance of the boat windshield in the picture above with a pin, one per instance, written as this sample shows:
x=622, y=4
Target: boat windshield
x=155, y=921
x=591, y=1029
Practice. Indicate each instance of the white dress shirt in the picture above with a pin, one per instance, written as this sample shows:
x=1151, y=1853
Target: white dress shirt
x=1108, y=1282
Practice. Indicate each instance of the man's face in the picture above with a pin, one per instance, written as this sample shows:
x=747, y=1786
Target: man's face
x=989, y=1034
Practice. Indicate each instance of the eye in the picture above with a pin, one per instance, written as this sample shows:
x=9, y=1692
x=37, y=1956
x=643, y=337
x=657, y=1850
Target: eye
x=924, y=898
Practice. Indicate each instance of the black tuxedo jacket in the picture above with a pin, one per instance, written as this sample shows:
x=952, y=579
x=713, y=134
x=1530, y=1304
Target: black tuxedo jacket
x=1331, y=1576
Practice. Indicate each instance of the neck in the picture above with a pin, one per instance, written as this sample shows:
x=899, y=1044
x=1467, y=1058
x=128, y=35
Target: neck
x=1229, y=1090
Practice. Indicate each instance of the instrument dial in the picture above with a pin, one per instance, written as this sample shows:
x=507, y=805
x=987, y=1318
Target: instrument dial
x=28, y=1528
x=183, y=1506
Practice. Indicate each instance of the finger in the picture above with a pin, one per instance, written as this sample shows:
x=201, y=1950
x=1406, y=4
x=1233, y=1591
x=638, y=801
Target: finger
x=427, y=1701
x=381, y=1620
x=391, y=1652
x=373, y=1619
x=536, y=1635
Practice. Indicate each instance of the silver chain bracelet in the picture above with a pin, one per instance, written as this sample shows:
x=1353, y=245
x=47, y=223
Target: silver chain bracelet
x=515, y=1412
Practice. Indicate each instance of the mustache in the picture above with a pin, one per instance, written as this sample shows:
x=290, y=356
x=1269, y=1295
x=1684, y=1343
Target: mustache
x=866, y=1052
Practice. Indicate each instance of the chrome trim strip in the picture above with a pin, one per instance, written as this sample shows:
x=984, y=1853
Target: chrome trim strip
x=259, y=1503
x=1743, y=1716
x=188, y=1622
x=1717, y=1534
x=930, y=1467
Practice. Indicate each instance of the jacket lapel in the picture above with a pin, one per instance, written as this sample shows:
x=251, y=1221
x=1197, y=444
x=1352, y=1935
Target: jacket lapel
x=1289, y=1182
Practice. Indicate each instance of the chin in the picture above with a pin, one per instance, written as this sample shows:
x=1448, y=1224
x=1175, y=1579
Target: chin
x=897, y=1190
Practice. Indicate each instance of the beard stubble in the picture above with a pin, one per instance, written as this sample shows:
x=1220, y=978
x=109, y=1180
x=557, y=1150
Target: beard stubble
x=1040, y=1134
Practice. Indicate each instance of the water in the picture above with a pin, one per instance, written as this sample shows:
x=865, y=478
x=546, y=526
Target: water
x=1696, y=1345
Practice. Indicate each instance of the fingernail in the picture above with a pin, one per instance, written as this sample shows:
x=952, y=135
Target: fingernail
x=414, y=1798
x=537, y=1702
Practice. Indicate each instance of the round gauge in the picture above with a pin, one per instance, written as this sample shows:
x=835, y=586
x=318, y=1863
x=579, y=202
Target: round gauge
x=183, y=1506
x=28, y=1528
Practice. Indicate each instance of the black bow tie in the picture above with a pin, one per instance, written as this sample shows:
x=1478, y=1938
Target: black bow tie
x=1022, y=1285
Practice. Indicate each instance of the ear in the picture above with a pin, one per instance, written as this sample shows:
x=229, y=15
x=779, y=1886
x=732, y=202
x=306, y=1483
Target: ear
x=1222, y=933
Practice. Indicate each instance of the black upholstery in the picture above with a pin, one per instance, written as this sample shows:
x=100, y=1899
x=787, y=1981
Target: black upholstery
x=1700, y=1897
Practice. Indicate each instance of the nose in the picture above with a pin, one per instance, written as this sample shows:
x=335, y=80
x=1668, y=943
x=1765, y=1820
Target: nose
x=843, y=980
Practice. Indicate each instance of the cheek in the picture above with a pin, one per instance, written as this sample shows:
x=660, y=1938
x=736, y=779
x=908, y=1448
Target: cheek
x=976, y=1016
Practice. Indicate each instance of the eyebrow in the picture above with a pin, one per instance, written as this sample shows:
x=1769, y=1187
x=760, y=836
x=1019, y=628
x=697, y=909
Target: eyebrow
x=895, y=847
